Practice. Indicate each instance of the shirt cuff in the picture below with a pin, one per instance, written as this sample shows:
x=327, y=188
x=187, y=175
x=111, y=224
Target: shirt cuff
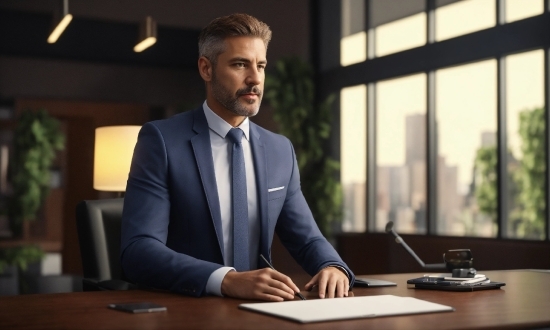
x=214, y=284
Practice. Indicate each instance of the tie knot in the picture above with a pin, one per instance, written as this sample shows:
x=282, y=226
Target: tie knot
x=235, y=135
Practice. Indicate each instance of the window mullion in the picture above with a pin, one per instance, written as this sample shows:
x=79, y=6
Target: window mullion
x=431, y=168
x=501, y=12
x=371, y=157
x=371, y=44
x=547, y=126
x=502, y=151
x=430, y=24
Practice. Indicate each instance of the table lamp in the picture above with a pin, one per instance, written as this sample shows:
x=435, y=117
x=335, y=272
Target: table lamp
x=113, y=150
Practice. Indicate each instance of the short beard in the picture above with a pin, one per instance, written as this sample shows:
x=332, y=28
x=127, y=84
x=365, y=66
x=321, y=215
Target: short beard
x=231, y=102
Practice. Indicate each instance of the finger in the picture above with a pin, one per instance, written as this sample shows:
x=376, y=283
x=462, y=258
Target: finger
x=340, y=289
x=314, y=288
x=280, y=282
x=274, y=289
x=283, y=295
x=286, y=280
x=309, y=285
x=346, y=287
x=331, y=287
x=280, y=286
x=322, y=286
x=269, y=297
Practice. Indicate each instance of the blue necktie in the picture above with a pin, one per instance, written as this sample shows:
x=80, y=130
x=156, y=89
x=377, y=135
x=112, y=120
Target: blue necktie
x=240, y=202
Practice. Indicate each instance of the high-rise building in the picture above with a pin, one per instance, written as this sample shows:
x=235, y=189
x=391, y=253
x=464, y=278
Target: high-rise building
x=488, y=139
x=415, y=138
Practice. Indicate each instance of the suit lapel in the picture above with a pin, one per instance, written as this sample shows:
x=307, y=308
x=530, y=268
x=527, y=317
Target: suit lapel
x=203, y=155
x=258, y=153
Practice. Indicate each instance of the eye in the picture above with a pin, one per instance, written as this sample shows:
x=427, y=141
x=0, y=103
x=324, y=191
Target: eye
x=261, y=67
x=239, y=65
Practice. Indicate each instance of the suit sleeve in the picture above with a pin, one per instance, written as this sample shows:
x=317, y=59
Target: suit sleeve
x=300, y=234
x=145, y=258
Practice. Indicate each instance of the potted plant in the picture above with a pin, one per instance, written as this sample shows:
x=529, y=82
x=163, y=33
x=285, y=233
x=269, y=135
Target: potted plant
x=37, y=137
x=290, y=90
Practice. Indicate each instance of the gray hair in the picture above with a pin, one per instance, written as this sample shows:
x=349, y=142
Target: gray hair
x=211, y=38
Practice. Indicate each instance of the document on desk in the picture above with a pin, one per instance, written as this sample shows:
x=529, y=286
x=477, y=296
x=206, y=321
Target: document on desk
x=318, y=310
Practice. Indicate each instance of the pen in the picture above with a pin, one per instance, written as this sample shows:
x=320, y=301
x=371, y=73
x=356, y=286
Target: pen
x=271, y=266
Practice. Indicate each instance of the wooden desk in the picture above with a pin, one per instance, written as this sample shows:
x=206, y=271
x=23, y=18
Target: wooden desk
x=523, y=303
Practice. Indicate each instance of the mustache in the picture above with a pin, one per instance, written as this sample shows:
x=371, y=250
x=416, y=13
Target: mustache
x=249, y=90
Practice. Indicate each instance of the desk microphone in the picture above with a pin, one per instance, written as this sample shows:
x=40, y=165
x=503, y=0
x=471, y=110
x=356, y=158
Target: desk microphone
x=399, y=240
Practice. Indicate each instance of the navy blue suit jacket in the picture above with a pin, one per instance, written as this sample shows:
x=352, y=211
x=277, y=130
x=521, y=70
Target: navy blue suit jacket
x=171, y=224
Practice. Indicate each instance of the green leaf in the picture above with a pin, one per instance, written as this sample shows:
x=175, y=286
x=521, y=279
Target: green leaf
x=526, y=178
x=20, y=256
x=37, y=138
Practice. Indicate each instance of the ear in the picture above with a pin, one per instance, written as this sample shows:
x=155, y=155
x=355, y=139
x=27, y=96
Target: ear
x=205, y=68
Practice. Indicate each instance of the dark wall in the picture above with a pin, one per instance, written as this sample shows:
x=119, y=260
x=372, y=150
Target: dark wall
x=31, y=78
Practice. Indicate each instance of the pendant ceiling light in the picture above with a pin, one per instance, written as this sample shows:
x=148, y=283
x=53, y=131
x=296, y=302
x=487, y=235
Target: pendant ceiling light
x=147, y=34
x=60, y=23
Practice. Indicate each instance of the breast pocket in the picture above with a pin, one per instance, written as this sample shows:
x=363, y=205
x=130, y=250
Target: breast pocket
x=276, y=200
x=276, y=192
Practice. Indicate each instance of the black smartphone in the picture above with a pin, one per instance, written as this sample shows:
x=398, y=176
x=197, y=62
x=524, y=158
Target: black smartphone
x=140, y=307
x=369, y=282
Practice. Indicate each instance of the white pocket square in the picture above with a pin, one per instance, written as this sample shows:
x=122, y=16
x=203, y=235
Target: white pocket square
x=275, y=189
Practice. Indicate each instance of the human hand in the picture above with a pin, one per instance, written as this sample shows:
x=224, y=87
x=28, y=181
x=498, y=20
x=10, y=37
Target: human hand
x=331, y=282
x=262, y=284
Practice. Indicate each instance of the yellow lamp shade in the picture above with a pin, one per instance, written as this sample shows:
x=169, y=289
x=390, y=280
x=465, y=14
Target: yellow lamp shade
x=114, y=147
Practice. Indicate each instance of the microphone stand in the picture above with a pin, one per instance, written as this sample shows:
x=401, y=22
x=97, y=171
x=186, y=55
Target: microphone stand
x=399, y=240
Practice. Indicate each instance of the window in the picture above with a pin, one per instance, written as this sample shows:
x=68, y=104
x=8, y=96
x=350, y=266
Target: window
x=457, y=87
x=400, y=35
x=520, y=9
x=399, y=25
x=353, y=156
x=466, y=121
x=526, y=144
x=353, y=44
x=464, y=17
x=396, y=25
x=401, y=153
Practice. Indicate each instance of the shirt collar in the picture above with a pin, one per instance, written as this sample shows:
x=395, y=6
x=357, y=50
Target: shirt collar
x=220, y=126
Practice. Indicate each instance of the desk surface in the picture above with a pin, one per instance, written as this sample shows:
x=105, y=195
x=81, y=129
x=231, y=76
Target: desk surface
x=522, y=303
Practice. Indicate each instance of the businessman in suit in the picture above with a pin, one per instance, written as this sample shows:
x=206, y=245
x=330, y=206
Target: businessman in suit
x=208, y=188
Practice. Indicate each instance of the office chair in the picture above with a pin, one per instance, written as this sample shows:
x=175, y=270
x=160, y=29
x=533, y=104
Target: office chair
x=98, y=224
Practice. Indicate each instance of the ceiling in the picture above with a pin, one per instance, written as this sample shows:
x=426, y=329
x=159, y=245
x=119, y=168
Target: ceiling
x=106, y=30
x=175, y=13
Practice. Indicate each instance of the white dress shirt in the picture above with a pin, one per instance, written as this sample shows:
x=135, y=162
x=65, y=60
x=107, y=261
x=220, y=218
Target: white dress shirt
x=221, y=154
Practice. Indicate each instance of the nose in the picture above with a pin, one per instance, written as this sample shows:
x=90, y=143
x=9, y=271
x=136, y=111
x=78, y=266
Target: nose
x=254, y=76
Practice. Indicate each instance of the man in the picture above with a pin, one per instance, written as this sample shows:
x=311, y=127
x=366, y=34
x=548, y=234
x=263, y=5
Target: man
x=208, y=189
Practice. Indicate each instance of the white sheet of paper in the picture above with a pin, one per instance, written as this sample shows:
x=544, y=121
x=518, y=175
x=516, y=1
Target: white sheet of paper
x=317, y=310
